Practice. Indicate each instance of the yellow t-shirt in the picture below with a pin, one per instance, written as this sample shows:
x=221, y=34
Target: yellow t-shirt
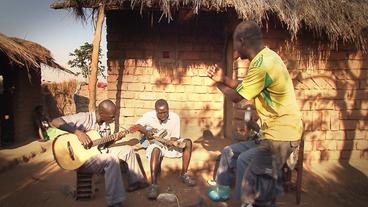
x=269, y=83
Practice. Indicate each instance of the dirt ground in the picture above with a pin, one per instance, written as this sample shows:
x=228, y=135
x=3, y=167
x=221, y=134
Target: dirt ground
x=40, y=182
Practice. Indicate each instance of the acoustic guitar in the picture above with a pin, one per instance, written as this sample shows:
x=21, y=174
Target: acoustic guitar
x=70, y=154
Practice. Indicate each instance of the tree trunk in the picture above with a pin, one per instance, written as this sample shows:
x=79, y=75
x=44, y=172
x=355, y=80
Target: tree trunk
x=94, y=63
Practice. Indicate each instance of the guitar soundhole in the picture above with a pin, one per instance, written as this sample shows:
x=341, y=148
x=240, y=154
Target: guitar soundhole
x=71, y=152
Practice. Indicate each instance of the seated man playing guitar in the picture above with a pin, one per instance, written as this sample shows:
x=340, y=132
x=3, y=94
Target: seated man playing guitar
x=162, y=119
x=108, y=161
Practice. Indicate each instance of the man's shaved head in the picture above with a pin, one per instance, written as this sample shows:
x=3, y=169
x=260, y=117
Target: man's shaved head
x=106, y=110
x=247, y=38
x=248, y=30
x=106, y=106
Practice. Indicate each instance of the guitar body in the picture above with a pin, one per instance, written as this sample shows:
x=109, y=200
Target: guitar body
x=70, y=154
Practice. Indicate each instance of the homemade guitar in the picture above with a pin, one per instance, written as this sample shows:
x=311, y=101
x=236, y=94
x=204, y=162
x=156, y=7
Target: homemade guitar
x=70, y=154
x=159, y=135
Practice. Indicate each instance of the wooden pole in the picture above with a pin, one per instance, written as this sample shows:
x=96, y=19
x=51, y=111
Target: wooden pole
x=94, y=63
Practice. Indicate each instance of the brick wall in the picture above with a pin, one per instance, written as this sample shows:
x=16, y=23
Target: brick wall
x=331, y=89
x=148, y=62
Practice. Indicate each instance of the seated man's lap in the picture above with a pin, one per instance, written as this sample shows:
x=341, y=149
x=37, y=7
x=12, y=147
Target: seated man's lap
x=164, y=151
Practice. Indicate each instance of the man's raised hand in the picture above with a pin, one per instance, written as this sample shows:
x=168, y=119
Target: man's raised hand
x=216, y=73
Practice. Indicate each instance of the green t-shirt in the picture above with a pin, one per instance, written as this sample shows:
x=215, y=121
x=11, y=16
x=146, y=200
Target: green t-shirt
x=269, y=83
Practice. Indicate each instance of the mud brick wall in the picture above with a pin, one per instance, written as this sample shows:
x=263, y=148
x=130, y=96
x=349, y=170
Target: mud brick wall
x=148, y=60
x=331, y=89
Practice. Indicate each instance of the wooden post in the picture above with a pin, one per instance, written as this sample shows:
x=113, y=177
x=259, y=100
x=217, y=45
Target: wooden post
x=94, y=63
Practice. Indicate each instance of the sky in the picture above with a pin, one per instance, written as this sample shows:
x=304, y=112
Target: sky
x=57, y=30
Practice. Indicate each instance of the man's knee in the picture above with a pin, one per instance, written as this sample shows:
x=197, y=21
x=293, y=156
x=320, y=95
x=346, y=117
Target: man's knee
x=156, y=152
x=111, y=159
x=227, y=151
x=188, y=143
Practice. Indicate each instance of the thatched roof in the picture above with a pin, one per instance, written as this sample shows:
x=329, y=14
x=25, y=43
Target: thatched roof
x=27, y=54
x=339, y=19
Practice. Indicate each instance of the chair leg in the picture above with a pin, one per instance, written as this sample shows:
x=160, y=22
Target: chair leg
x=299, y=172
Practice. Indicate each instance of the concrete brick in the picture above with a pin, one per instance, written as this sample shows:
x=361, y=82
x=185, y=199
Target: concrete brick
x=308, y=146
x=346, y=104
x=345, y=145
x=187, y=80
x=128, y=94
x=198, y=81
x=335, y=135
x=147, y=96
x=324, y=104
x=315, y=135
x=319, y=120
x=364, y=104
x=130, y=63
x=200, y=89
x=131, y=79
x=354, y=114
x=125, y=112
x=362, y=144
x=136, y=87
x=325, y=145
x=352, y=124
x=334, y=120
x=144, y=62
x=177, y=96
x=357, y=134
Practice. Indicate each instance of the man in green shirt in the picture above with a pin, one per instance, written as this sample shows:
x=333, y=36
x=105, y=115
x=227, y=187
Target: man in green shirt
x=269, y=84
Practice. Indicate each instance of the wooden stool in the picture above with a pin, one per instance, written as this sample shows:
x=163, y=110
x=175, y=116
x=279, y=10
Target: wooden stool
x=287, y=173
x=84, y=186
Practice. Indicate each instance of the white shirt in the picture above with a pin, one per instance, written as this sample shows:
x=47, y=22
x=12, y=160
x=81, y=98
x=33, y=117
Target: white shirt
x=171, y=125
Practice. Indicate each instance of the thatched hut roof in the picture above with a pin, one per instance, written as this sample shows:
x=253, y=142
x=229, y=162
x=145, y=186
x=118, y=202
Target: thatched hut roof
x=26, y=53
x=339, y=19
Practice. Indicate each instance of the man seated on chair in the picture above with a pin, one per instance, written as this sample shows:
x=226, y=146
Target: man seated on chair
x=267, y=82
x=108, y=162
x=160, y=119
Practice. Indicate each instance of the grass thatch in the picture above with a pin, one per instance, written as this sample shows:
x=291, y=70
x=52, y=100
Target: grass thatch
x=339, y=19
x=26, y=54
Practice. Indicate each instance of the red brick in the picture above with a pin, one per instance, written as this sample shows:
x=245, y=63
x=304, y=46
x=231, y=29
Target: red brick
x=334, y=120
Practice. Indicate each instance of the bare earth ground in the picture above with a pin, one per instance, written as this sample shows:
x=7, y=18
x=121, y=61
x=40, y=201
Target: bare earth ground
x=40, y=182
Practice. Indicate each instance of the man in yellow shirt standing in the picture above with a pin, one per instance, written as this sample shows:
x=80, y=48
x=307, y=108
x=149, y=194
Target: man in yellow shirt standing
x=269, y=84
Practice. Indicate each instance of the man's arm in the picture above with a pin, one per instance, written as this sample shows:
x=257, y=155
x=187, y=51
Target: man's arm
x=229, y=92
x=141, y=129
x=82, y=136
x=226, y=85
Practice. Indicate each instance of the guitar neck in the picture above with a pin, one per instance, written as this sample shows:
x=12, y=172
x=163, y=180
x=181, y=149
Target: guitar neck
x=109, y=138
